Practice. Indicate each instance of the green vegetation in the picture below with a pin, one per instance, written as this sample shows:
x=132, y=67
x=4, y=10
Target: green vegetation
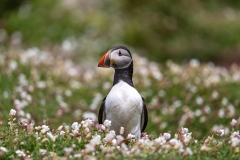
x=159, y=30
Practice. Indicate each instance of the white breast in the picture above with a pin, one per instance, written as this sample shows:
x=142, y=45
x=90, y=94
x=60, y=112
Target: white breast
x=123, y=106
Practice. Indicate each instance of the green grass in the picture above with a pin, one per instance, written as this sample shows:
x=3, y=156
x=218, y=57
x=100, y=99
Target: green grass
x=159, y=30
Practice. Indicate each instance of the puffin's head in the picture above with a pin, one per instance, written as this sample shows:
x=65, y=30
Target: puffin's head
x=118, y=57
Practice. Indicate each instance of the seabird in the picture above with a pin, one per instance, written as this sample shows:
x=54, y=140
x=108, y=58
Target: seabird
x=123, y=106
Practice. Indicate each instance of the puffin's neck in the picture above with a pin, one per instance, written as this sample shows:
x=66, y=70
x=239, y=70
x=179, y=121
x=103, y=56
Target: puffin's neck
x=124, y=74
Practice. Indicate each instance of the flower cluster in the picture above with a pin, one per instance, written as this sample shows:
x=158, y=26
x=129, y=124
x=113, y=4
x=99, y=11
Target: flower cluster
x=84, y=139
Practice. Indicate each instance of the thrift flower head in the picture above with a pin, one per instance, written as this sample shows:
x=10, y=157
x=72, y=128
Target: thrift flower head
x=166, y=135
x=233, y=122
x=62, y=133
x=96, y=140
x=42, y=152
x=184, y=130
x=76, y=126
x=68, y=149
x=119, y=138
x=160, y=140
x=75, y=132
x=90, y=148
x=176, y=144
x=114, y=142
x=12, y=112
x=236, y=134
x=45, y=129
x=101, y=127
x=51, y=136
x=107, y=123
x=235, y=141
x=3, y=149
x=188, y=151
x=87, y=123
x=112, y=132
x=131, y=136
x=20, y=153
x=109, y=137
x=220, y=132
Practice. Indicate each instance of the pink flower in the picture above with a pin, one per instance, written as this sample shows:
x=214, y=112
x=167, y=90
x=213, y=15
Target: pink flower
x=166, y=135
x=131, y=136
x=220, y=132
x=233, y=122
x=160, y=140
x=184, y=130
x=101, y=127
x=107, y=123
x=109, y=137
x=12, y=112
x=176, y=144
x=235, y=141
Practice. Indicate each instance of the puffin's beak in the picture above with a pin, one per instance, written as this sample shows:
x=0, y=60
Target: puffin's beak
x=105, y=60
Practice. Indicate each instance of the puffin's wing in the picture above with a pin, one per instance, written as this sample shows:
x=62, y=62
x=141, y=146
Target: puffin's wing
x=101, y=112
x=144, y=116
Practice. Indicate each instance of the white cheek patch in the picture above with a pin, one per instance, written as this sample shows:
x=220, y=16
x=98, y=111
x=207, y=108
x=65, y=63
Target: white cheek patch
x=120, y=61
x=123, y=62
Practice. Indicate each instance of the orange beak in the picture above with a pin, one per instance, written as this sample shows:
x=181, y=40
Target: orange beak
x=104, y=61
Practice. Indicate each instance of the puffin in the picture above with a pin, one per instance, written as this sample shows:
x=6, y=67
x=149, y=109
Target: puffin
x=123, y=105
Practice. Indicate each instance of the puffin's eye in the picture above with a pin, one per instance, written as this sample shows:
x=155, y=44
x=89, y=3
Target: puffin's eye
x=119, y=53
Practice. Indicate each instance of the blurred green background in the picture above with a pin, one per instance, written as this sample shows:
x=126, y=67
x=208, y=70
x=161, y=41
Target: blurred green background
x=160, y=30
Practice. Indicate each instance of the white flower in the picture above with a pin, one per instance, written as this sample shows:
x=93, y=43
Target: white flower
x=107, y=123
x=233, y=122
x=189, y=151
x=76, y=126
x=3, y=149
x=51, y=136
x=235, y=141
x=166, y=135
x=43, y=152
x=176, y=144
x=90, y=147
x=13, y=65
x=95, y=140
x=194, y=63
x=101, y=127
x=112, y=132
x=131, y=136
x=89, y=115
x=184, y=130
x=109, y=137
x=160, y=140
x=20, y=153
x=78, y=155
x=87, y=123
x=235, y=134
x=220, y=132
x=45, y=129
x=114, y=142
x=68, y=149
x=62, y=133
x=41, y=84
x=121, y=130
x=119, y=138
x=12, y=112
x=75, y=132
